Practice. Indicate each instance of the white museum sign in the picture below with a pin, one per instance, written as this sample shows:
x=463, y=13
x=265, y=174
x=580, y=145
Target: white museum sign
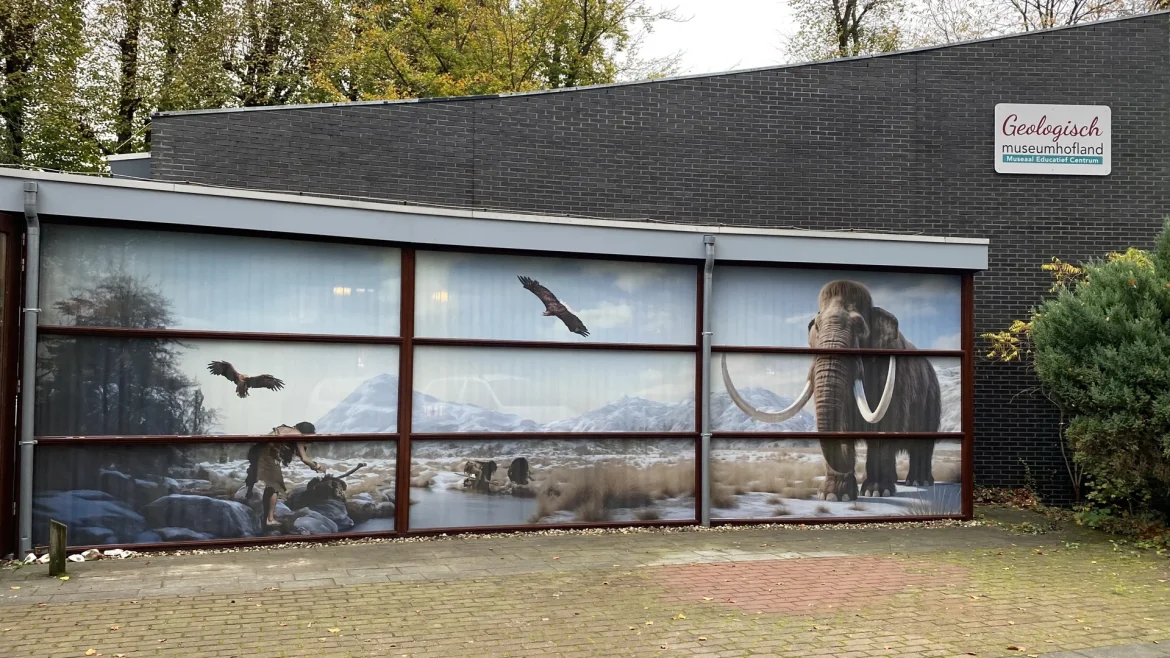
x=1071, y=140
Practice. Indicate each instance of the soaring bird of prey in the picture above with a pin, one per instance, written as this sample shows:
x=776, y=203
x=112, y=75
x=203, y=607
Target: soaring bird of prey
x=244, y=382
x=553, y=306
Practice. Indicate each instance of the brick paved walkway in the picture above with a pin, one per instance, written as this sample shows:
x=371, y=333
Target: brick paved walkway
x=980, y=591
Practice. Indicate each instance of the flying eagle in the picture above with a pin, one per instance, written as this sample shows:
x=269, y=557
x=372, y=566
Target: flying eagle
x=553, y=306
x=244, y=382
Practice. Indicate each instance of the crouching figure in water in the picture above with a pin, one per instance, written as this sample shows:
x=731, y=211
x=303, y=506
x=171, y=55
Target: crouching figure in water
x=266, y=461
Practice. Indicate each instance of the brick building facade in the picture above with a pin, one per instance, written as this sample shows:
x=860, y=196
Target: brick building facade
x=897, y=143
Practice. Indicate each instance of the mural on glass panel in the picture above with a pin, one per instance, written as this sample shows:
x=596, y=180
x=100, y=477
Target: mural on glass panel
x=518, y=482
x=770, y=393
x=786, y=479
x=774, y=307
x=96, y=385
x=114, y=277
x=131, y=494
x=474, y=389
x=553, y=299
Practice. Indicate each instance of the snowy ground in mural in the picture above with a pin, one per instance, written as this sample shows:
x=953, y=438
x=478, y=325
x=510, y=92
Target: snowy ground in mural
x=781, y=479
x=197, y=492
x=364, y=411
x=475, y=483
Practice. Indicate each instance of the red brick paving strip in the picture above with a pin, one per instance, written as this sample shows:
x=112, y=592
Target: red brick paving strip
x=810, y=585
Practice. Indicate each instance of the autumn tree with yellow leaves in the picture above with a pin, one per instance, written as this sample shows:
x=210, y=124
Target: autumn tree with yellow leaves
x=1100, y=346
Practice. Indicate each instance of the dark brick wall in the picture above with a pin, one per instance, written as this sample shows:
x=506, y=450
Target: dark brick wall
x=901, y=143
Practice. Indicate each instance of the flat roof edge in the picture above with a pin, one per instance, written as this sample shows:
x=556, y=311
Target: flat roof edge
x=473, y=213
x=183, y=205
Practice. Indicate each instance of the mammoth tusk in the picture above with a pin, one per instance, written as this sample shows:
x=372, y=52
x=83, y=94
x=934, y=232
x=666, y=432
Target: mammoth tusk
x=765, y=416
x=876, y=415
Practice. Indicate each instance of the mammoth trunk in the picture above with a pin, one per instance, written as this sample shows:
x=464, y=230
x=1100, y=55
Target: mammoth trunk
x=832, y=379
x=840, y=383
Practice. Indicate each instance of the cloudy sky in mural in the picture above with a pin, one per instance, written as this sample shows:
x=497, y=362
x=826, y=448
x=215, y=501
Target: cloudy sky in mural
x=479, y=296
x=772, y=306
x=229, y=283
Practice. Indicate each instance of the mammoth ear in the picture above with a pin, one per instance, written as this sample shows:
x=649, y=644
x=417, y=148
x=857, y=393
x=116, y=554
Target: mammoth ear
x=883, y=329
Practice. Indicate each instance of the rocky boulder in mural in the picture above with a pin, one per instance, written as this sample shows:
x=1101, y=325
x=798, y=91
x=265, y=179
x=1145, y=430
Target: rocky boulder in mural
x=93, y=517
x=222, y=519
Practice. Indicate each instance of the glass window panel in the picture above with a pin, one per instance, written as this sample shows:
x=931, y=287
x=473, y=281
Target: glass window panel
x=463, y=295
x=773, y=306
x=772, y=384
x=117, y=277
x=469, y=483
x=135, y=386
x=473, y=389
x=782, y=479
x=133, y=494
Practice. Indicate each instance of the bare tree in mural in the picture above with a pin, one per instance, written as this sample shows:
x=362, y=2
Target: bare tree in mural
x=118, y=386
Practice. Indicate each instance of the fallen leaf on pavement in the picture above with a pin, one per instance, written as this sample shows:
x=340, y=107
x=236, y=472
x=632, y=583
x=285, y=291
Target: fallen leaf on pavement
x=702, y=638
x=283, y=624
x=662, y=646
x=64, y=577
x=1015, y=648
x=544, y=618
x=114, y=627
x=333, y=630
x=90, y=652
x=631, y=628
x=14, y=587
x=681, y=616
x=649, y=623
x=706, y=598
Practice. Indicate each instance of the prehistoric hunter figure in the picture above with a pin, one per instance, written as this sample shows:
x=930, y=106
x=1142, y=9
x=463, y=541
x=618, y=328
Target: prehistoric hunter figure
x=266, y=461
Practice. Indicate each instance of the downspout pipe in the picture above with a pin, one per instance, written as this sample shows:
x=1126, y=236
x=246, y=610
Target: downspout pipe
x=705, y=383
x=32, y=272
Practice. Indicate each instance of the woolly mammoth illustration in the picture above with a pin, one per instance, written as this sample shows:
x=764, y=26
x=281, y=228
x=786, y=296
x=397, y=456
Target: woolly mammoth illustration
x=906, y=388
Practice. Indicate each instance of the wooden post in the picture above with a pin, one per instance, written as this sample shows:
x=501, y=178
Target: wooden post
x=57, y=536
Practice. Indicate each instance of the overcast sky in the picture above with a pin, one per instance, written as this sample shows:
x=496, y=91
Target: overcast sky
x=723, y=35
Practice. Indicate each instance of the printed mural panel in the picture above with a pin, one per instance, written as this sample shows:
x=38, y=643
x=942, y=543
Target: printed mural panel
x=776, y=393
x=135, y=494
x=553, y=299
x=473, y=389
x=88, y=386
x=468, y=483
x=772, y=307
x=113, y=277
x=786, y=479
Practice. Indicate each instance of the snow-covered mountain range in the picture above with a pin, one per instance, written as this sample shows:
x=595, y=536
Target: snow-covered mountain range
x=372, y=408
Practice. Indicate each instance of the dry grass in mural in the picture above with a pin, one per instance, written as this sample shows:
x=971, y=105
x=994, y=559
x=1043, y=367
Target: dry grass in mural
x=592, y=492
x=823, y=509
x=723, y=496
x=937, y=501
x=788, y=479
x=782, y=510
